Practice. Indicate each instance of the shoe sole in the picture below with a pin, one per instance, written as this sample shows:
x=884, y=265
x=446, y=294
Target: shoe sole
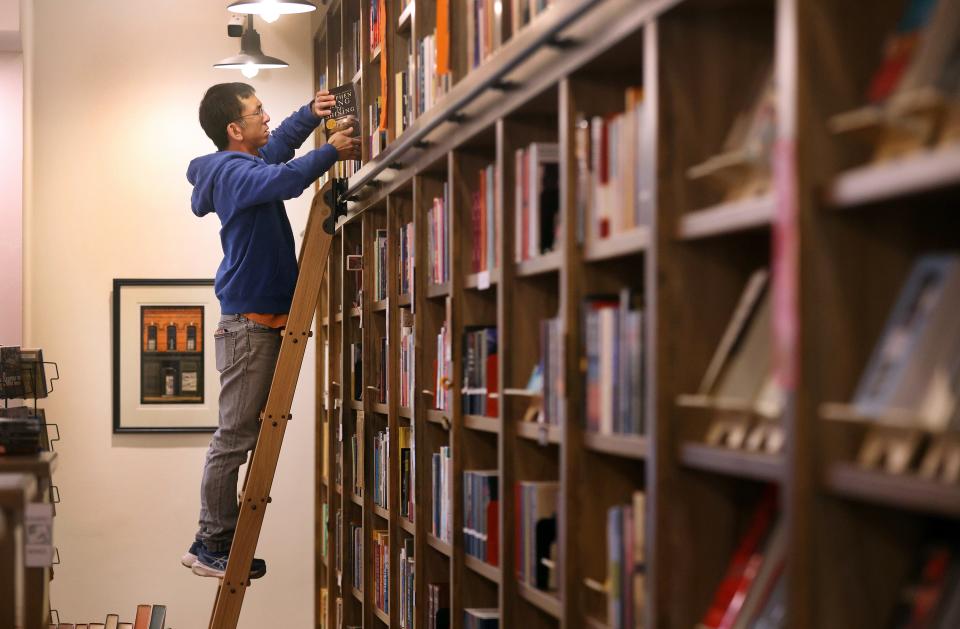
x=202, y=570
x=188, y=560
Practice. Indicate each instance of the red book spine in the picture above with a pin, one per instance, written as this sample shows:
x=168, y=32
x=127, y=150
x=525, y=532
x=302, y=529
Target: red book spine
x=493, y=407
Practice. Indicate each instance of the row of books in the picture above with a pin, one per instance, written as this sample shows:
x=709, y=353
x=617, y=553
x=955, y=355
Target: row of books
x=380, y=265
x=378, y=135
x=536, y=200
x=406, y=259
x=613, y=341
x=486, y=618
x=523, y=12
x=407, y=591
x=375, y=27
x=484, y=224
x=431, y=84
x=147, y=617
x=536, y=516
x=481, y=515
x=355, y=39
x=382, y=371
x=407, y=489
x=356, y=370
x=381, y=569
x=438, y=606
x=438, y=238
x=338, y=541
x=442, y=525
x=443, y=369
x=931, y=597
x=356, y=537
x=356, y=447
x=485, y=30
x=550, y=369
x=480, y=372
x=381, y=466
x=610, y=185
x=626, y=563
x=752, y=593
x=407, y=357
x=404, y=94
x=324, y=536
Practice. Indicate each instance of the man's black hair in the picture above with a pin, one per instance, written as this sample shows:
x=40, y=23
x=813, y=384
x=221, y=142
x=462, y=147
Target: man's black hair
x=220, y=106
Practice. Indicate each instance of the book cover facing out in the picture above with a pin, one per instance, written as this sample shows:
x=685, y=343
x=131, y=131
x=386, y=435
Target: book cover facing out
x=346, y=105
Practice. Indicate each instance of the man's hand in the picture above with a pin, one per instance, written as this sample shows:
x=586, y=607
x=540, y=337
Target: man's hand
x=323, y=104
x=348, y=147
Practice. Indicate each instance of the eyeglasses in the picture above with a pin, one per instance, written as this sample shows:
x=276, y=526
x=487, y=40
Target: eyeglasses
x=259, y=112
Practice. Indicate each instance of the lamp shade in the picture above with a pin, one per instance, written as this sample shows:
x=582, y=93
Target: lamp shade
x=281, y=7
x=251, y=55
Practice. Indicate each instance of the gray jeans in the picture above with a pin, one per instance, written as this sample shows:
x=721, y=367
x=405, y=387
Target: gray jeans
x=246, y=359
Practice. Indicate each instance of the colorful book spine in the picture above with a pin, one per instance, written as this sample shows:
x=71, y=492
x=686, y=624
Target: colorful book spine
x=407, y=576
x=407, y=354
x=381, y=465
x=381, y=569
x=537, y=200
x=438, y=249
x=481, y=515
x=443, y=369
x=405, y=435
x=480, y=373
x=625, y=563
x=406, y=265
x=442, y=525
x=613, y=338
x=484, y=231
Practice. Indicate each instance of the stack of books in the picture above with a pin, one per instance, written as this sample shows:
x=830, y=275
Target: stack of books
x=407, y=495
x=381, y=466
x=438, y=239
x=536, y=505
x=481, y=515
x=442, y=525
x=613, y=329
x=609, y=173
x=626, y=536
x=407, y=574
x=406, y=259
x=381, y=570
x=537, y=200
x=480, y=372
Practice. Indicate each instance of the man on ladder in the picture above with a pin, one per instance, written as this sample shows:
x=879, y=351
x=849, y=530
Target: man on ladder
x=245, y=183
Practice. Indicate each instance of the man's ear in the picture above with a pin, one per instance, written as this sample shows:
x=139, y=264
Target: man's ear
x=235, y=131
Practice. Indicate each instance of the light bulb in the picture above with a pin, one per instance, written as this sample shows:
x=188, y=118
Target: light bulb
x=270, y=13
x=249, y=70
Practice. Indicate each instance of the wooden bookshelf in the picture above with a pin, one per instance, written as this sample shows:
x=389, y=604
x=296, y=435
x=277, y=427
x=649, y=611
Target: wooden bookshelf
x=685, y=257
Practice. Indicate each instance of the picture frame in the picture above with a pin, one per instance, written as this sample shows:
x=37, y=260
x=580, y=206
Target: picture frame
x=164, y=365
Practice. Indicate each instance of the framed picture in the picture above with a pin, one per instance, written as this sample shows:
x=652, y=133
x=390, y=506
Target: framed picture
x=164, y=368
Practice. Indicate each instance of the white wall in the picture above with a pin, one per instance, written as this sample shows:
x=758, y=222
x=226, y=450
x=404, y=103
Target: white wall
x=11, y=200
x=113, y=89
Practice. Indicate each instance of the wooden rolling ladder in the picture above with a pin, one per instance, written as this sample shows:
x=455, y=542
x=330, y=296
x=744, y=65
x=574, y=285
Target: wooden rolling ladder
x=321, y=224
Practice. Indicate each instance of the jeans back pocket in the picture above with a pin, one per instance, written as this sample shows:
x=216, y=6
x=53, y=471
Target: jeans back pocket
x=225, y=344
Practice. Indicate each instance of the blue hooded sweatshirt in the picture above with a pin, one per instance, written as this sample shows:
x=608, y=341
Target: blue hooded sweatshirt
x=259, y=268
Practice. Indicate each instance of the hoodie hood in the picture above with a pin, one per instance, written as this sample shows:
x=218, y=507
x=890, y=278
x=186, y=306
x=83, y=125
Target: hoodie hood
x=203, y=172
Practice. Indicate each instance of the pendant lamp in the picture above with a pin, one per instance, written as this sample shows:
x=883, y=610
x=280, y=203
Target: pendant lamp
x=271, y=10
x=251, y=58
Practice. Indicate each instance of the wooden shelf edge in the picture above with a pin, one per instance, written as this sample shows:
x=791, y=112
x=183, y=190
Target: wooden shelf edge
x=438, y=544
x=436, y=291
x=742, y=464
x=355, y=499
x=481, y=423
x=438, y=417
x=728, y=218
x=547, y=263
x=405, y=412
x=907, y=492
x=925, y=171
x=383, y=409
x=404, y=22
x=481, y=567
x=625, y=446
x=357, y=594
x=545, y=601
x=383, y=617
x=380, y=511
x=404, y=300
x=407, y=525
x=380, y=306
x=472, y=281
x=534, y=430
x=628, y=243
